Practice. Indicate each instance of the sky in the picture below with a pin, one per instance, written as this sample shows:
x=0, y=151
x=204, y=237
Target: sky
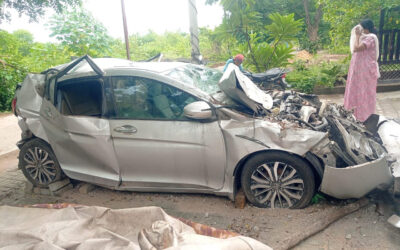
x=142, y=15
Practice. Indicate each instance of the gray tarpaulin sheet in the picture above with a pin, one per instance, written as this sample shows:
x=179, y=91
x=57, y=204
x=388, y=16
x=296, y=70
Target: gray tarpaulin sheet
x=87, y=227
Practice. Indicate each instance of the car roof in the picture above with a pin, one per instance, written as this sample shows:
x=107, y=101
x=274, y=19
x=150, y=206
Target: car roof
x=114, y=64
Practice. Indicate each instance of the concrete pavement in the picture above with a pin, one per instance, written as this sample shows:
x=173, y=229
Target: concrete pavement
x=10, y=133
x=387, y=103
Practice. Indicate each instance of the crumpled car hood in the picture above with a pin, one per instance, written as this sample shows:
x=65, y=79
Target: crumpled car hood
x=242, y=90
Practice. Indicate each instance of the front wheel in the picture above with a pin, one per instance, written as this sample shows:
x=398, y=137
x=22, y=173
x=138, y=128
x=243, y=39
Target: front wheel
x=278, y=179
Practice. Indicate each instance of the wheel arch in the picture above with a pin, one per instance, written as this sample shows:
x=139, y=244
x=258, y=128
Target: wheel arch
x=27, y=136
x=312, y=160
x=22, y=142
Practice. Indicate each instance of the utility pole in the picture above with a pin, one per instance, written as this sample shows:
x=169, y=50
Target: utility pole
x=128, y=54
x=194, y=32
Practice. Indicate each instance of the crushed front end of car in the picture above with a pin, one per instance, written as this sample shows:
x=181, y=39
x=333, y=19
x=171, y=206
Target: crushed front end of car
x=351, y=160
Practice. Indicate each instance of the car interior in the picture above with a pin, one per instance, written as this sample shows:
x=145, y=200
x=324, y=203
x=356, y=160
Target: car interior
x=80, y=98
x=134, y=97
x=141, y=98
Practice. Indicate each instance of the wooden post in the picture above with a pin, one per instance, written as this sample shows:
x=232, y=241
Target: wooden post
x=128, y=54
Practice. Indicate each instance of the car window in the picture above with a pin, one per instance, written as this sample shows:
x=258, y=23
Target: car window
x=143, y=98
x=201, y=77
x=83, y=98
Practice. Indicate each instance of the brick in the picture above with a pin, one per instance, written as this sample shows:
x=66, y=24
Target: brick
x=28, y=187
x=55, y=186
x=62, y=190
x=86, y=188
x=36, y=190
x=41, y=191
x=44, y=191
x=240, y=199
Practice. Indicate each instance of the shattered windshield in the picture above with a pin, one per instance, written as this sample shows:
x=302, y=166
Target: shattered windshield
x=201, y=77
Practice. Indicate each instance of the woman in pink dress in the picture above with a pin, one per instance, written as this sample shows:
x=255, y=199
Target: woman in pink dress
x=362, y=78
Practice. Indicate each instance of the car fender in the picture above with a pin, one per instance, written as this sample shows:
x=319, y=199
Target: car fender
x=246, y=138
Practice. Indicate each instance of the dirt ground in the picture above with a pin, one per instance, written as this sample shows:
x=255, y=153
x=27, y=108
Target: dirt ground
x=364, y=229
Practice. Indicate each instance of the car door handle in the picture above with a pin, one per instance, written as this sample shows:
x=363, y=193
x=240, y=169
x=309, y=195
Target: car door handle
x=126, y=129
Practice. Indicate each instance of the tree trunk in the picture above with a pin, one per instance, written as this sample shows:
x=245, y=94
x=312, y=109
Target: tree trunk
x=313, y=34
x=312, y=27
x=251, y=52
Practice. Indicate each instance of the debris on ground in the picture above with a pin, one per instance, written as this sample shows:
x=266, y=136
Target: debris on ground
x=318, y=198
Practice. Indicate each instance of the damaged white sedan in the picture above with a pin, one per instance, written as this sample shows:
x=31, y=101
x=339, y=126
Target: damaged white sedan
x=175, y=127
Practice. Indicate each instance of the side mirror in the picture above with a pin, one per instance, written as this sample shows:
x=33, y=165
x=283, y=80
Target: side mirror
x=198, y=111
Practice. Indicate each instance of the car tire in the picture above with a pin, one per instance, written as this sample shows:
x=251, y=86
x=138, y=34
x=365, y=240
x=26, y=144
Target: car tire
x=278, y=179
x=39, y=163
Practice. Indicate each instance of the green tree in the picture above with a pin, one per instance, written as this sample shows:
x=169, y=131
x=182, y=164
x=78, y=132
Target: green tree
x=310, y=11
x=277, y=49
x=172, y=44
x=81, y=33
x=23, y=35
x=345, y=14
x=25, y=40
x=283, y=29
x=312, y=21
x=33, y=8
x=11, y=72
x=19, y=55
x=241, y=20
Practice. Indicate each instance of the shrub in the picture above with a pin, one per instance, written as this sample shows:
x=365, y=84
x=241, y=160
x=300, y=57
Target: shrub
x=325, y=74
x=9, y=78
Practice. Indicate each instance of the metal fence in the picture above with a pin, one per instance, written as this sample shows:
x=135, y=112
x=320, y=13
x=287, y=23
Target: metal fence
x=389, y=56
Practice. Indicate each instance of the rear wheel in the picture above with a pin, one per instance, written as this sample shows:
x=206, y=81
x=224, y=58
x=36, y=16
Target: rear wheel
x=277, y=179
x=38, y=163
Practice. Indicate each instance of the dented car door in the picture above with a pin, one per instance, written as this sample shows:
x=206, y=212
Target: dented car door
x=78, y=133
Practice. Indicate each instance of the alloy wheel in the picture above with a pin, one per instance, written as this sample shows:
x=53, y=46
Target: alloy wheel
x=39, y=165
x=276, y=184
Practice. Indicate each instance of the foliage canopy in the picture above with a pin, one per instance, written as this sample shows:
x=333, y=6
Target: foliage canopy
x=81, y=33
x=343, y=15
x=33, y=8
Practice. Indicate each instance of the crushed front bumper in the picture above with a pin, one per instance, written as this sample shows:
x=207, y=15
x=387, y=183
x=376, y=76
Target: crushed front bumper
x=356, y=181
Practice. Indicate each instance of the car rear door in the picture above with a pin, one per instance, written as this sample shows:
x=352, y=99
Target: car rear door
x=72, y=116
x=156, y=145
